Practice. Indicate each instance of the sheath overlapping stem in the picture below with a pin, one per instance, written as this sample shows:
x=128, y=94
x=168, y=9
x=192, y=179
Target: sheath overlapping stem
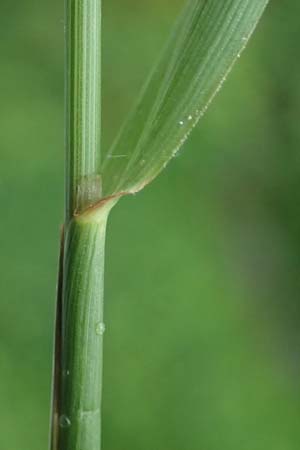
x=79, y=418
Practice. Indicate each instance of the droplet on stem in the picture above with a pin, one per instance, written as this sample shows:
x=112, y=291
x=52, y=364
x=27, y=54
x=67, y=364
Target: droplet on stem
x=100, y=328
x=64, y=421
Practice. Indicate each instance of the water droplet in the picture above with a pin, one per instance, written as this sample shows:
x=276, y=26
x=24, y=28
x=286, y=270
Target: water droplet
x=181, y=123
x=66, y=373
x=100, y=328
x=190, y=117
x=64, y=421
x=244, y=38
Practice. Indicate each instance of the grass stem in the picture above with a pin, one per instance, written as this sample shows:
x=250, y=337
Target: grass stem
x=76, y=421
x=83, y=104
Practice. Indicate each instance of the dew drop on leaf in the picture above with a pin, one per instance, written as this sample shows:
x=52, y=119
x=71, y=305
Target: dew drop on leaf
x=64, y=421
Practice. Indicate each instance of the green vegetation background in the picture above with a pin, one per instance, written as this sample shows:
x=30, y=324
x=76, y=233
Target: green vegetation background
x=202, y=280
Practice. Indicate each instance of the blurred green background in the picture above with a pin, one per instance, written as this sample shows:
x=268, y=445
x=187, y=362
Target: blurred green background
x=202, y=285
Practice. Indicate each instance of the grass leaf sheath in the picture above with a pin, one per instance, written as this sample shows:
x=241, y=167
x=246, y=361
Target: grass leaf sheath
x=79, y=418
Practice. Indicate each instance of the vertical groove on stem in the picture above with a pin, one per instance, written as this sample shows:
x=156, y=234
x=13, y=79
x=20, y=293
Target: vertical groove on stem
x=57, y=353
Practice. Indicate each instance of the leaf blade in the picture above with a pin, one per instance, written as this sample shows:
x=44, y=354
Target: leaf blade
x=207, y=39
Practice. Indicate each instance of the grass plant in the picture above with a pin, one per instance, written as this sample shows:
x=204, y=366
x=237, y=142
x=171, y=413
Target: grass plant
x=207, y=39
